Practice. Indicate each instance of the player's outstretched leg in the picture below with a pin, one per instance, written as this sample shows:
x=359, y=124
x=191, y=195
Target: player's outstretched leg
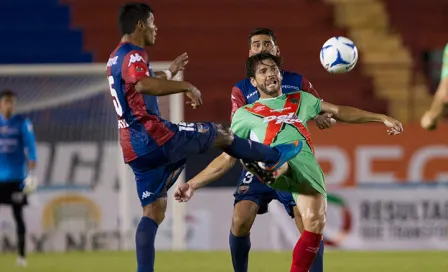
x=251, y=151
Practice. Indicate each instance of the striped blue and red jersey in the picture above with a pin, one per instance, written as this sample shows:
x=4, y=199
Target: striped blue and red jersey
x=244, y=93
x=141, y=128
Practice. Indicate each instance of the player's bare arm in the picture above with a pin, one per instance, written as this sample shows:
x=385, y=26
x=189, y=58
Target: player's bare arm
x=215, y=170
x=438, y=108
x=160, y=87
x=357, y=116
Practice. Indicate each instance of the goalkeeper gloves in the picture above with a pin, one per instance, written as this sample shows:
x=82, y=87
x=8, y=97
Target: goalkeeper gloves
x=30, y=183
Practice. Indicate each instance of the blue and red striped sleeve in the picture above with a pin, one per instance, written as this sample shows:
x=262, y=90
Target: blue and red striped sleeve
x=309, y=88
x=238, y=100
x=134, y=66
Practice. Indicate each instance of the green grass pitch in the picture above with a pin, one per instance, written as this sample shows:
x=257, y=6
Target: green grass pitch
x=335, y=261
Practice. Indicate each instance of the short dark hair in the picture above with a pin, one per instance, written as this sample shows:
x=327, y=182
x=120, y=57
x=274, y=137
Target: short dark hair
x=130, y=14
x=253, y=61
x=262, y=31
x=7, y=93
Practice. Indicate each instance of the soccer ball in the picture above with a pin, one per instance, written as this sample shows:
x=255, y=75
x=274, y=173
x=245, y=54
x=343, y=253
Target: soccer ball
x=338, y=55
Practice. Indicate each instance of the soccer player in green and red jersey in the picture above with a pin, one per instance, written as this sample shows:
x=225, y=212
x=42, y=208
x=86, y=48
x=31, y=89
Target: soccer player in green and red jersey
x=278, y=118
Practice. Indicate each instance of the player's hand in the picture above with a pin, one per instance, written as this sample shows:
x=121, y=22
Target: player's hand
x=179, y=64
x=428, y=121
x=184, y=192
x=195, y=97
x=324, y=121
x=395, y=126
x=30, y=184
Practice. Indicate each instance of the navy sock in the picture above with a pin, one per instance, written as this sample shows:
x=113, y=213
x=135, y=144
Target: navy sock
x=239, y=248
x=251, y=151
x=144, y=243
x=318, y=264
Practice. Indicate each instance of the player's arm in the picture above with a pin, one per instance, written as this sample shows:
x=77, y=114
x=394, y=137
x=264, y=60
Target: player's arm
x=215, y=170
x=135, y=71
x=439, y=104
x=30, y=183
x=161, y=75
x=440, y=101
x=357, y=116
x=160, y=87
x=29, y=141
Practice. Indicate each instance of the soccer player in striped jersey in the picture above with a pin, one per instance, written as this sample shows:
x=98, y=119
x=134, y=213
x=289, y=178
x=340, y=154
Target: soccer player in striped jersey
x=156, y=149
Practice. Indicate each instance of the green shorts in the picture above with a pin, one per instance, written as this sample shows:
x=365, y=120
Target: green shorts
x=304, y=174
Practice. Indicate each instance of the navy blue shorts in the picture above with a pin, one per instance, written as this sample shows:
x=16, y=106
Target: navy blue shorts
x=252, y=189
x=158, y=170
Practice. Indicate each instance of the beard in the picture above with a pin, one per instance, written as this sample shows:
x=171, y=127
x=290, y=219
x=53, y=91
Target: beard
x=270, y=92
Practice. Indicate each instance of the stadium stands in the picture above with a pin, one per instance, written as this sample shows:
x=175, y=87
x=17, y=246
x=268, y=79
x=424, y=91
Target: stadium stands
x=39, y=32
x=214, y=34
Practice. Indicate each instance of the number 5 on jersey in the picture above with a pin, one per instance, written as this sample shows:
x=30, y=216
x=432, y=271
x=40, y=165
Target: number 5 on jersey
x=116, y=102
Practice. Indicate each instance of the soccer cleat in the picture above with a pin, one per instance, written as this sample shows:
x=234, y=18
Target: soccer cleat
x=257, y=169
x=287, y=152
x=21, y=261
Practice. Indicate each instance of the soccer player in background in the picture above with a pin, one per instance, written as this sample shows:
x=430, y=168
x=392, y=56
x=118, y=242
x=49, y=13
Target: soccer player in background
x=252, y=197
x=439, y=104
x=17, y=162
x=278, y=118
x=156, y=149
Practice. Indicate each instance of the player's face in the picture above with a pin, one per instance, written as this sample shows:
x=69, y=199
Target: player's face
x=8, y=105
x=149, y=31
x=268, y=78
x=263, y=43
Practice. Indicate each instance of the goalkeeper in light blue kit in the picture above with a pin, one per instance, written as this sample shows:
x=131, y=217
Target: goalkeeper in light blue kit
x=17, y=162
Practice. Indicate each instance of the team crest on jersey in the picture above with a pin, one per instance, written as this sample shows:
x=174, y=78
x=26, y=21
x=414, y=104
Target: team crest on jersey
x=294, y=100
x=202, y=128
x=243, y=189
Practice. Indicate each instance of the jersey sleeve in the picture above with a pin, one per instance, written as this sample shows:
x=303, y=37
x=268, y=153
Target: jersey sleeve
x=240, y=126
x=445, y=63
x=134, y=66
x=312, y=105
x=29, y=140
x=309, y=88
x=238, y=99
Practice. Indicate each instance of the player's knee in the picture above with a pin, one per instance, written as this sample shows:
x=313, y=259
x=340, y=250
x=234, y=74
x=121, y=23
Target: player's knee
x=314, y=223
x=156, y=210
x=224, y=136
x=241, y=225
